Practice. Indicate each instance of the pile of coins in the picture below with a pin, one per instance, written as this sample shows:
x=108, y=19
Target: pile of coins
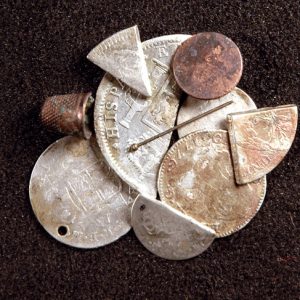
x=89, y=189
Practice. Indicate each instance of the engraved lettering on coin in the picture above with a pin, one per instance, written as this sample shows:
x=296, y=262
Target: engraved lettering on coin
x=137, y=118
x=260, y=139
x=76, y=197
x=205, y=187
x=168, y=233
x=218, y=119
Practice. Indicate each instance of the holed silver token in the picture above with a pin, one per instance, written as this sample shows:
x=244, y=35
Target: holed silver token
x=124, y=117
x=217, y=120
x=166, y=232
x=76, y=197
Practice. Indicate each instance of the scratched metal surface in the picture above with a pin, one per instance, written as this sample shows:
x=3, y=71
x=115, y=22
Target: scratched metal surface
x=76, y=197
x=196, y=177
x=123, y=117
x=122, y=56
x=217, y=120
x=260, y=139
x=168, y=233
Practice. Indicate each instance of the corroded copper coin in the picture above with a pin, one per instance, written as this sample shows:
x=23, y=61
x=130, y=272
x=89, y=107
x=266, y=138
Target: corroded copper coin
x=196, y=177
x=208, y=65
x=260, y=139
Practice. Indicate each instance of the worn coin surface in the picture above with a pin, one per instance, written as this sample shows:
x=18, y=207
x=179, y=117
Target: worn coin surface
x=217, y=120
x=76, y=197
x=122, y=56
x=123, y=117
x=168, y=233
x=260, y=139
x=196, y=177
x=208, y=65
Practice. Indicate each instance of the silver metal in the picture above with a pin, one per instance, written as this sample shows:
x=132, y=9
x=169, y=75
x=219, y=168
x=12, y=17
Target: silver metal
x=76, y=197
x=122, y=56
x=123, y=117
x=192, y=107
x=134, y=147
x=260, y=139
x=168, y=233
x=196, y=177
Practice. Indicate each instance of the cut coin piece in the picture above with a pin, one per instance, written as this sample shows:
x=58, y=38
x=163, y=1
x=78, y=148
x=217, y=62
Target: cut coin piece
x=260, y=139
x=196, y=177
x=217, y=120
x=122, y=56
x=123, y=117
x=168, y=233
x=208, y=65
x=76, y=197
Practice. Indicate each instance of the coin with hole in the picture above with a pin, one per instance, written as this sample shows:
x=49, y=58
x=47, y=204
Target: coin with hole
x=76, y=197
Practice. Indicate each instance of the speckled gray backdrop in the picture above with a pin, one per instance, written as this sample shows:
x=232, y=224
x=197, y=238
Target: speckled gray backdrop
x=43, y=45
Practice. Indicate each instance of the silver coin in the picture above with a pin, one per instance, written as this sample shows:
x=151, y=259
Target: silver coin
x=76, y=197
x=260, y=139
x=217, y=120
x=168, y=233
x=122, y=56
x=196, y=177
x=123, y=117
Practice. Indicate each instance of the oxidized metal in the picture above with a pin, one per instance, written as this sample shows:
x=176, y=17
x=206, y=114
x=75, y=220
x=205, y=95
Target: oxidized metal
x=122, y=56
x=260, y=139
x=196, y=177
x=168, y=233
x=77, y=198
x=68, y=114
x=123, y=117
x=217, y=120
x=208, y=65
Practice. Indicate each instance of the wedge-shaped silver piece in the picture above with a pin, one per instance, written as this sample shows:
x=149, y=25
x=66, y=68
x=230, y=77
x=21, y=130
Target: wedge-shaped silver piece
x=123, y=117
x=76, y=197
x=168, y=233
x=122, y=56
x=217, y=120
x=260, y=139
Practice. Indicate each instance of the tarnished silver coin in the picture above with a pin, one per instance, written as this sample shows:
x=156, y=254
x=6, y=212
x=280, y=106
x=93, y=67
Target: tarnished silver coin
x=123, y=117
x=217, y=120
x=260, y=139
x=122, y=56
x=196, y=177
x=76, y=197
x=168, y=233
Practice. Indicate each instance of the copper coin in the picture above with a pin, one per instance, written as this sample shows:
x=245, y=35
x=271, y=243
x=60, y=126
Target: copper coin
x=208, y=65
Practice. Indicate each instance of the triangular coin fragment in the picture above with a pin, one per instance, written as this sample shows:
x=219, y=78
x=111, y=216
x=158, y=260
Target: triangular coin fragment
x=122, y=56
x=260, y=139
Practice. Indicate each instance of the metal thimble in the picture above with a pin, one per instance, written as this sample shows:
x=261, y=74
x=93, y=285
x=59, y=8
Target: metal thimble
x=68, y=114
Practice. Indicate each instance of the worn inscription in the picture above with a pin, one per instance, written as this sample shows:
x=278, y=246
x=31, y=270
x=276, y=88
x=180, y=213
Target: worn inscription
x=136, y=117
x=196, y=177
x=77, y=197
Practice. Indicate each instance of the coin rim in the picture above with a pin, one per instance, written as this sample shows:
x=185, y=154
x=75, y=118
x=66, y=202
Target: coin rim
x=58, y=237
x=162, y=171
x=99, y=114
x=227, y=90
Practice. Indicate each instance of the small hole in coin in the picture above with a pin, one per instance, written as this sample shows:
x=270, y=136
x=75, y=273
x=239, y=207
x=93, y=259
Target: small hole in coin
x=62, y=230
x=142, y=207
